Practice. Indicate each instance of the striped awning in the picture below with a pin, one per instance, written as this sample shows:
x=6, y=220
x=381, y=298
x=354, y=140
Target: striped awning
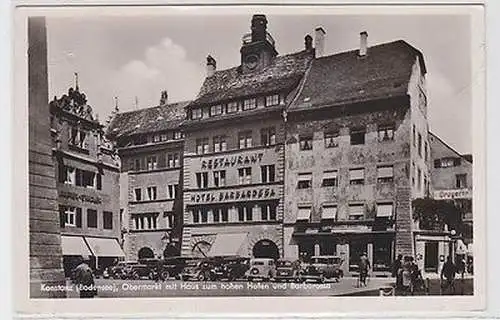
x=74, y=246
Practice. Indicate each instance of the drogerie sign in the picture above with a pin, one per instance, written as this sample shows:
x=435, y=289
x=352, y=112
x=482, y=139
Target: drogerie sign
x=452, y=194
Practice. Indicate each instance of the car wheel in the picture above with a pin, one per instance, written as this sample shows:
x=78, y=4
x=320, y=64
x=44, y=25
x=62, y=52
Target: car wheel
x=165, y=275
x=201, y=277
x=135, y=276
x=321, y=279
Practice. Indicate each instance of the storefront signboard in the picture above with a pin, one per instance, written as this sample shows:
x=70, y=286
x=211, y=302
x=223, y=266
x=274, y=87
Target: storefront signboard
x=452, y=194
x=259, y=193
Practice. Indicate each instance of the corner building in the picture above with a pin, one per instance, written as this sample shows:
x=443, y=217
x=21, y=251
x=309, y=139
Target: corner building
x=234, y=151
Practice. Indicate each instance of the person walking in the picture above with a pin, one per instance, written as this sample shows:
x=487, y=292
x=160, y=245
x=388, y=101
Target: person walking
x=396, y=271
x=364, y=267
x=448, y=273
x=84, y=278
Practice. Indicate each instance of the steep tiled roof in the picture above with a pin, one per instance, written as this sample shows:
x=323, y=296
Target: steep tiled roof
x=347, y=78
x=148, y=120
x=283, y=73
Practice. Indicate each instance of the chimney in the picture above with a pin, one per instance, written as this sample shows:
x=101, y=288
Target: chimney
x=319, y=41
x=211, y=65
x=363, y=43
x=164, y=98
x=308, y=43
x=259, y=26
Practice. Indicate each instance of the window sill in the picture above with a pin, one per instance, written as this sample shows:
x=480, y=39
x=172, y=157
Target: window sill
x=78, y=149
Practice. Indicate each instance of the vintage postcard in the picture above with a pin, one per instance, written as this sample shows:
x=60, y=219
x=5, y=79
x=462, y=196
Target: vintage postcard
x=285, y=159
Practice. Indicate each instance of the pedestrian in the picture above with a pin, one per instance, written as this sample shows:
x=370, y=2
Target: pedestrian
x=448, y=273
x=406, y=275
x=364, y=267
x=84, y=278
x=396, y=267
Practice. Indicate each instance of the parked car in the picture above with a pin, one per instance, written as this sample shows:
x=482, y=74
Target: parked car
x=230, y=268
x=200, y=270
x=138, y=271
x=261, y=268
x=321, y=268
x=118, y=271
x=287, y=270
x=170, y=267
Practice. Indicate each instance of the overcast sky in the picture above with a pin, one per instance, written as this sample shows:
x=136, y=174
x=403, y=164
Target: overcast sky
x=138, y=56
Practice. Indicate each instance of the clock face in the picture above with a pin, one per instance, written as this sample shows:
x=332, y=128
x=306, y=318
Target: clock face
x=252, y=61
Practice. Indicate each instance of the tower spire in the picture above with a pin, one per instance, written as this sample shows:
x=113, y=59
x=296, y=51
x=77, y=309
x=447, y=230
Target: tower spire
x=116, y=104
x=76, y=81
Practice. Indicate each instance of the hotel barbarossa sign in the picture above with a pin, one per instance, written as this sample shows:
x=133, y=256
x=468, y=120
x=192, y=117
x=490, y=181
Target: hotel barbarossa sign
x=235, y=195
x=453, y=194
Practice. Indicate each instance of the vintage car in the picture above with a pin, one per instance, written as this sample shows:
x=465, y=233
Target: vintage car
x=138, y=271
x=230, y=268
x=196, y=269
x=261, y=268
x=321, y=268
x=170, y=267
x=288, y=270
x=118, y=271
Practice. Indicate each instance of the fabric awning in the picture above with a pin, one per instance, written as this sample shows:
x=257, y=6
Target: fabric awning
x=304, y=213
x=305, y=176
x=385, y=172
x=356, y=210
x=329, y=212
x=384, y=210
x=227, y=244
x=74, y=246
x=105, y=247
x=356, y=174
x=330, y=174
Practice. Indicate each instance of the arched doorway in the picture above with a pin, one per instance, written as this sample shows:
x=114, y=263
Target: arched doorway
x=170, y=251
x=201, y=249
x=266, y=249
x=146, y=253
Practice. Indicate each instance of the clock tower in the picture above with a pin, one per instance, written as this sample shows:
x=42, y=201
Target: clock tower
x=257, y=50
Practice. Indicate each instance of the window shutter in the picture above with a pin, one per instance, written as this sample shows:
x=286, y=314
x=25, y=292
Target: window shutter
x=99, y=181
x=78, y=217
x=437, y=163
x=62, y=216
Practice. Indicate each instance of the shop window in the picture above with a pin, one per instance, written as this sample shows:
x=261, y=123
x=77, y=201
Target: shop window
x=202, y=180
x=268, y=136
x=358, y=136
x=356, y=211
x=107, y=220
x=331, y=139
x=267, y=173
x=91, y=218
x=385, y=210
x=138, y=194
x=382, y=248
x=272, y=100
x=196, y=113
x=386, y=132
x=329, y=212
x=303, y=213
x=461, y=181
x=151, y=191
x=220, y=178
x=304, y=181
x=305, y=142
x=385, y=174
x=330, y=178
x=249, y=104
x=152, y=163
x=216, y=110
x=220, y=143
x=245, y=139
x=356, y=176
x=202, y=146
x=232, y=107
x=245, y=175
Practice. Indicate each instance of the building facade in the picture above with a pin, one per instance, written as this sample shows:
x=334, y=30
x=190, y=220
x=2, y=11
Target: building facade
x=150, y=147
x=87, y=172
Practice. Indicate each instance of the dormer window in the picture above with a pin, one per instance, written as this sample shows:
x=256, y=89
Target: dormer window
x=232, y=107
x=78, y=138
x=272, y=100
x=216, y=110
x=196, y=113
x=386, y=132
x=249, y=104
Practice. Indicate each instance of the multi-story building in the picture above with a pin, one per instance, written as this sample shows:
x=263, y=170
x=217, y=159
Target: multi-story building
x=234, y=151
x=87, y=173
x=150, y=146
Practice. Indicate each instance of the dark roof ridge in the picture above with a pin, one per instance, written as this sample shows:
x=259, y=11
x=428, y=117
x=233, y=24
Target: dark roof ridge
x=450, y=147
x=158, y=106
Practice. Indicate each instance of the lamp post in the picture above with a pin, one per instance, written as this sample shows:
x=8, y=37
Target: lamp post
x=453, y=239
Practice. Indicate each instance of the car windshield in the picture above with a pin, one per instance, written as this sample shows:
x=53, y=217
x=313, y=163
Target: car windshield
x=284, y=263
x=320, y=260
x=336, y=260
x=258, y=263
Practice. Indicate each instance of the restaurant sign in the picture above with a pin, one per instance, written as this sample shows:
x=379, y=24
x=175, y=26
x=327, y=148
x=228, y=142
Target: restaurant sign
x=80, y=197
x=452, y=194
x=231, y=161
x=231, y=195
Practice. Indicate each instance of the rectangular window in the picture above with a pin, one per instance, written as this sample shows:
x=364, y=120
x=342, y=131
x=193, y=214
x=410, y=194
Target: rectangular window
x=303, y=213
x=267, y=173
x=245, y=139
x=245, y=175
x=138, y=194
x=249, y=213
x=384, y=210
x=329, y=212
x=170, y=161
x=178, y=135
x=202, y=146
x=268, y=136
x=169, y=219
x=330, y=178
x=220, y=143
x=272, y=100
x=268, y=212
x=70, y=176
x=151, y=193
x=249, y=104
x=419, y=179
x=91, y=218
x=138, y=166
x=356, y=211
x=305, y=142
x=305, y=181
x=331, y=139
x=152, y=163
x=414, y=136
x=88, y=179
x=461, y=181
x=196, y=113
x=220, y=178
x=356, y=176
x=420, y=145
x=196, y=215
x=358, y=136
x=78, y=138
x=156, y=138
x=172, y=191
x=216, y=110
x=224, y=214
x=385, y=174
x=386, y=132
x=241, y=213
x=426, y=150
x=163, y=137
x=202, y=180
x=70, y=216
x=177, y=161
x=232, y=107
x=107, y=220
